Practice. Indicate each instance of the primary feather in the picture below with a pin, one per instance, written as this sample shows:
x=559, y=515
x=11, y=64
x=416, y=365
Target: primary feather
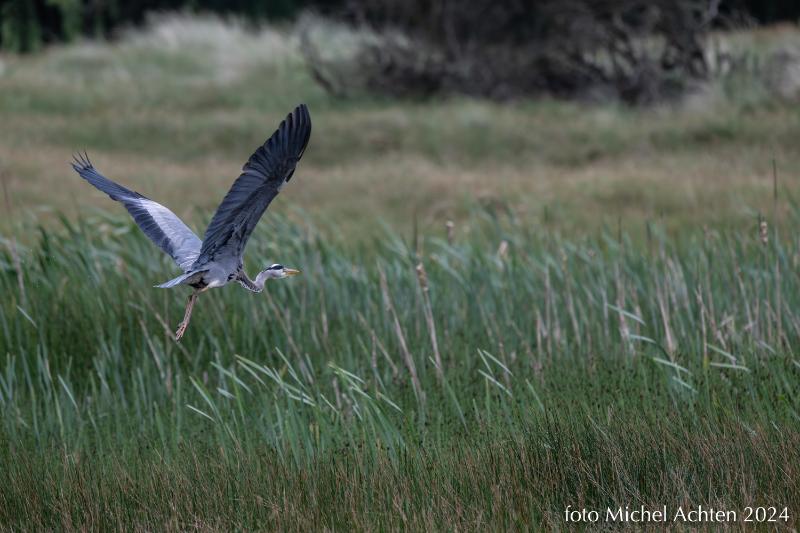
x=161, y=225
x=261, y=179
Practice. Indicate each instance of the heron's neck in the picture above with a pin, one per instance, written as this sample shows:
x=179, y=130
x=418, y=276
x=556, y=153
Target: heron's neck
x=249, y=284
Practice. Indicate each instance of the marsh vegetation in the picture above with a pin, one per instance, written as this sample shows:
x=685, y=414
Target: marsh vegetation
x=612, y=319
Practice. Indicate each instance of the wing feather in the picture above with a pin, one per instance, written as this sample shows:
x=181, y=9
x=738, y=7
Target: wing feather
x=262, y=177
x=161, y=225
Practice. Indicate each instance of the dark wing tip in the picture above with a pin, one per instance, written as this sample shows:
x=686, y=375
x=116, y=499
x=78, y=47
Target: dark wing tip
x=286, y=144
x=300, y=126
x=80, y=161
x=301, y=109
x=298, y=122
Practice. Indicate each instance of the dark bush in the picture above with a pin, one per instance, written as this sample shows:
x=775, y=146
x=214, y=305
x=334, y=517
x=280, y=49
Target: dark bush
x=637, y=51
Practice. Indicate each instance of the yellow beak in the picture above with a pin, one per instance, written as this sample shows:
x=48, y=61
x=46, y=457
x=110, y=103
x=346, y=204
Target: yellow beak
x=291, y=272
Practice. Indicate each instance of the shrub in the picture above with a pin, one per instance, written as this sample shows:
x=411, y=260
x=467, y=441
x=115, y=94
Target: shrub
x=636, y=51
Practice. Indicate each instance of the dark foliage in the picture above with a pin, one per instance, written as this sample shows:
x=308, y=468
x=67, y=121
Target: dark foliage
x=637, y=51
x=26, y=24
x=768, y=11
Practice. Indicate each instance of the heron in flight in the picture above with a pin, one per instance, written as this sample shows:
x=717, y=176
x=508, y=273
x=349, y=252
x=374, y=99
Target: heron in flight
x=217, y=259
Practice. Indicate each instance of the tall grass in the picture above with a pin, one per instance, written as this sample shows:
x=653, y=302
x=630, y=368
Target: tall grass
x=485, y=382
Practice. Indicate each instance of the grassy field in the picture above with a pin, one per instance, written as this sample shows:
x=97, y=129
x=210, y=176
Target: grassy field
x=608, y=325
x=175, y=111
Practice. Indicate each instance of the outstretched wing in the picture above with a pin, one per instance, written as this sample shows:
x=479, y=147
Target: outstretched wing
x=161, y=225
x=262, y=177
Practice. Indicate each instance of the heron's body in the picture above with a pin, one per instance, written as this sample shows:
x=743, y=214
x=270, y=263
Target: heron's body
x=217, y=259
x=211, y=276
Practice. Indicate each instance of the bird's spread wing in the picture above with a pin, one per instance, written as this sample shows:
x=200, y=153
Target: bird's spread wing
x=161, y=225
x=262, y=177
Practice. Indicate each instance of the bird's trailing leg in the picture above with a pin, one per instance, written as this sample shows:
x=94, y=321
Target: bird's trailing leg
x=187, y=316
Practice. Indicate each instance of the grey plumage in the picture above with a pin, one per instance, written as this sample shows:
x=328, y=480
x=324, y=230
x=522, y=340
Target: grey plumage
x=161, y=225
x=185, y=278
x=217, y=259
x=262, y=177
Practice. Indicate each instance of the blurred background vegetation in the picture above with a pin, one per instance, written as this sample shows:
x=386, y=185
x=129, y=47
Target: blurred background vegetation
x=27, y=24
x=631, y=112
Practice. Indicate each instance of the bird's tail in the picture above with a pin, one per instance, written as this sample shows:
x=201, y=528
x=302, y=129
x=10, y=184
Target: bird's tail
x=183, y=278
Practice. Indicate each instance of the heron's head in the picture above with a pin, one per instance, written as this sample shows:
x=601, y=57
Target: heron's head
x=278, y=271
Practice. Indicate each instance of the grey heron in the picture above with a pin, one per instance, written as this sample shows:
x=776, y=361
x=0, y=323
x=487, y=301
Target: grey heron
x=217, y=259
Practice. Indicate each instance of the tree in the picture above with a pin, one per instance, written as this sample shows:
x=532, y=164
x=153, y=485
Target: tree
x=19, y=26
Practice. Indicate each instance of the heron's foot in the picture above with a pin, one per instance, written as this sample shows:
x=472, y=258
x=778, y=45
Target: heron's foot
x=186, y=317
x=181, y=330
